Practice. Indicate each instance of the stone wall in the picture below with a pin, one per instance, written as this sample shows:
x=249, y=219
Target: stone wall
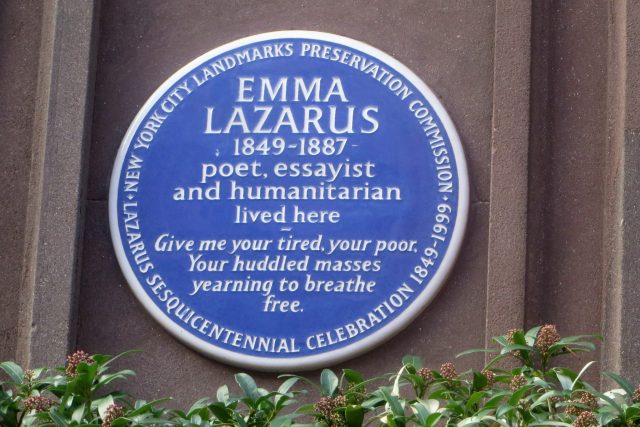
x=544, y=95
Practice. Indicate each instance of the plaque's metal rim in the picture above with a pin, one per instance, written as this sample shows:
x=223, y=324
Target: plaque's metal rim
x=351, y=350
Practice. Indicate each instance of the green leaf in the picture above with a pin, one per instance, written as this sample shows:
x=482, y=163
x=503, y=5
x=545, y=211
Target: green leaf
x=611, y=401
x=39, y=371
x=513, y=347
x=239, y=420
x=263, y=393
x=14, y=371
x=372, y=402
x=430, y=405
x=576, y=338
x=530, y=336
x=519, y=394
x=503, y=410
x=399, y=421
x=606, y=418
x=496, y=399
x=57, y=419
x=223, y=394
x=354, y=415
x=471, y=421
x=486, y=414
x=303, y=379
x=102, y=404
x=107, y=379
x=541, y=383
x=432, y=419
x=328, y=382
x=78, y=414
x=577, y=347
x=110, y=359
x=410, y=360
x=582, y=371
x=479, y=381
x=565, y=381
x=286, y=386
x=282, y=421
x=475, y=350
x=248, y=385
x=501, y=340
x=497, y=359
x=550, y=423
x=456, y=407
x=89, y=369
x=421, y=412
x=626, y=385
x=146, y=421
x=352, y=376
x=393, y=401
x=199, y=405
x=632, y=412
x=146, y=406
x=542, y=400
x=475, y=398
x=306, y=408
x=221, y=413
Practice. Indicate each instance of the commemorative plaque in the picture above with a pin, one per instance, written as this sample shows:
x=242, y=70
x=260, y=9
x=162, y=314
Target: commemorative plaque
x=288, y=200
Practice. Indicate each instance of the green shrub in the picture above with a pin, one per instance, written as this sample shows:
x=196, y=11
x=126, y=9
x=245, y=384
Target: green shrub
x=533, y=393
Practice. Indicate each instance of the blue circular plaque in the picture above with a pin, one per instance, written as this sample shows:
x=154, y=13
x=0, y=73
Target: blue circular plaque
x=289, y=200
